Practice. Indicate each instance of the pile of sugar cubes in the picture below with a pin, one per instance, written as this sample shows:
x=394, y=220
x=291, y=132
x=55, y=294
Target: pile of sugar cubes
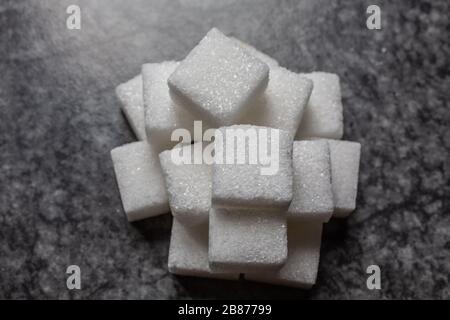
x=230, y=220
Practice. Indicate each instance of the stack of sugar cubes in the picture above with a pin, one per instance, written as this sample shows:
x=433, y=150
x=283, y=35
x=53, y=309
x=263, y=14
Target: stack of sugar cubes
x=237, y=216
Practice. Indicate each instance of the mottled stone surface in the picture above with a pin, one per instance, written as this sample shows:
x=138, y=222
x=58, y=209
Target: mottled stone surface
x=59, y=118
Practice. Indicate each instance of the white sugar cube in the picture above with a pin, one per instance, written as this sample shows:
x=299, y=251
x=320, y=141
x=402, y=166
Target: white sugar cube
x=312, y=194
x=247, y=240
x=188, y=252
x=251, y=171
x=140, y=180
x=218, y=79
x=344, y=157
x=300, y=269
x=271, y=62
x=130, y=96
x=323, y=116
x=188, y=184
x=282, y=104
x=162, y=114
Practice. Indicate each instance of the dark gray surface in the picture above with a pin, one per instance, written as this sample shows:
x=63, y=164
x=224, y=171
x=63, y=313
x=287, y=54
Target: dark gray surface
x=59, y=118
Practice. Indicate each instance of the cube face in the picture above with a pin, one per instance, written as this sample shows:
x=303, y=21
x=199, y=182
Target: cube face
x=300, y=269
x=140, y=181
x=271, y=62
x=188, y=252
x=130, y=96
x=323, y=116
x=247, y=240
x=188, y=185
x=162, y=113
x=243, y=184
x=218, y=80
x=312, y=194
x=345, y=156
x=282, y=104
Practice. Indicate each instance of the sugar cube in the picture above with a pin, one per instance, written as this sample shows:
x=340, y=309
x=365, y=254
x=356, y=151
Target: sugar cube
x=344, y=157
x=162, y=114
x=188, y=252
x=271, y=62
x=130, y=96
x=312, y=194
x=247, y=173
x=323, y=116
x=300, y=269
x=282, y=104
x=218, y=79
x=243, y=240
x=188, y=184
x=140, y=180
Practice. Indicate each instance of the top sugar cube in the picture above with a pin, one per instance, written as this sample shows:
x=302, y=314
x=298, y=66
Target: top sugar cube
x=219, y=79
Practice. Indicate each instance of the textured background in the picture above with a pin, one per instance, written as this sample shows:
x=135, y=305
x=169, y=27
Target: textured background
x=59, y=118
